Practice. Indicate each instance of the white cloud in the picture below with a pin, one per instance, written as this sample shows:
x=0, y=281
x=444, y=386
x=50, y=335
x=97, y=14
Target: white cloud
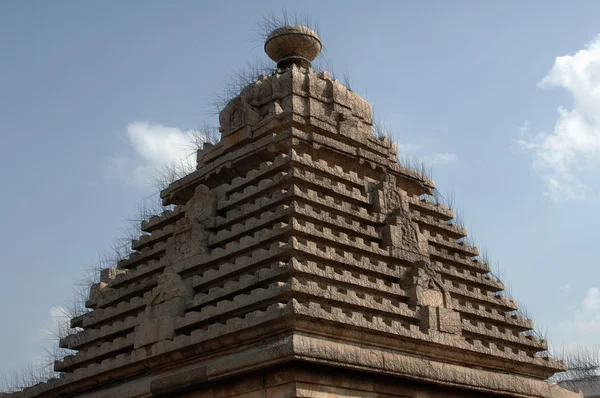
x=412, y=155
x=573, y=146
x=437, y=158
x=591, y=302
x=156, y=144
x=406, y=149
x=58, y=317
x=587, y=318
x=581, y=327
x=154, y=147
x=56, y=325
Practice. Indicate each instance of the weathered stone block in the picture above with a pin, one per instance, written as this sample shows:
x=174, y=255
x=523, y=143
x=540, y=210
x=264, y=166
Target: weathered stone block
x=449, y=321
x=152, y=331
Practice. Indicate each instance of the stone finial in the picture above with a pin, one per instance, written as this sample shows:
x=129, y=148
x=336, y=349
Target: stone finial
x=293, y=44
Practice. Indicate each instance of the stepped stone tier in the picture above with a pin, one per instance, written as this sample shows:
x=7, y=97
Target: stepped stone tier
x=301, y=260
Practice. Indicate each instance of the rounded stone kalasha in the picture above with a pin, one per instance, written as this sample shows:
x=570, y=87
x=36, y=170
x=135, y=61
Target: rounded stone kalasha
x=293, y=44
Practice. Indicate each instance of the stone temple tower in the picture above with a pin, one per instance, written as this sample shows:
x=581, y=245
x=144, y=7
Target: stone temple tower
x=301, y=260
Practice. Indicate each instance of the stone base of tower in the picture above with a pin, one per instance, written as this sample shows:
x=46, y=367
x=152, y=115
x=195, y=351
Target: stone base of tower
x=302, y=365
x=318, y=381
x=296, y=380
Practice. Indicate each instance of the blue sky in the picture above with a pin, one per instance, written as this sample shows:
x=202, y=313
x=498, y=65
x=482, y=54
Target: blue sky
x=502, y=100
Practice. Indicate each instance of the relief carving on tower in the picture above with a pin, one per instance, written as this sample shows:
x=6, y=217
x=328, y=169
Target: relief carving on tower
x=401, y=235
x=167, y=300
x=237, y=118
x=237, y=114
x=166, y=303
x=426, y=290
x=182, y=241
x=190, y=237
x=426, y=287
x=202, y=207
x=385, y=197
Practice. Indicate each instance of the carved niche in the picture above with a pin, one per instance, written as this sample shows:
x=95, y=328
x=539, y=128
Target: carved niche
x=190, y=237
x=400, y=234
x=165, y=304
x=427, y=291
x=236, y=119
x=168, y=298
x=385, y=197
x=237, y=114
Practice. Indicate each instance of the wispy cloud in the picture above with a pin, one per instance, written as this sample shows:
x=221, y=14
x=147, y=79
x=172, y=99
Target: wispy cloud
x=586, y=318
x=414, y=153
x=441, y=158
x=591, y=302
x=39, y=360
x=408, y=149
x=573, y=146
x=153, y=146
x=565, y=288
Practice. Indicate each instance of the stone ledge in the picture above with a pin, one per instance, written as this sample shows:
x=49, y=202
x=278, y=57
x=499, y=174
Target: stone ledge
x=375, y=329
x=384, y=361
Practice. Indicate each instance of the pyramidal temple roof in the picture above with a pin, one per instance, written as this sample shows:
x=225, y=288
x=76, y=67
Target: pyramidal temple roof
x=300, y=237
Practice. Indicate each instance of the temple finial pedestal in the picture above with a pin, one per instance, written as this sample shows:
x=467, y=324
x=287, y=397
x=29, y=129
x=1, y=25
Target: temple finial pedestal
x=293, y=44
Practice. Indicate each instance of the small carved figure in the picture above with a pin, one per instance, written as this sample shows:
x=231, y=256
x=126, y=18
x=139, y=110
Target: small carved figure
x=237, y=118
